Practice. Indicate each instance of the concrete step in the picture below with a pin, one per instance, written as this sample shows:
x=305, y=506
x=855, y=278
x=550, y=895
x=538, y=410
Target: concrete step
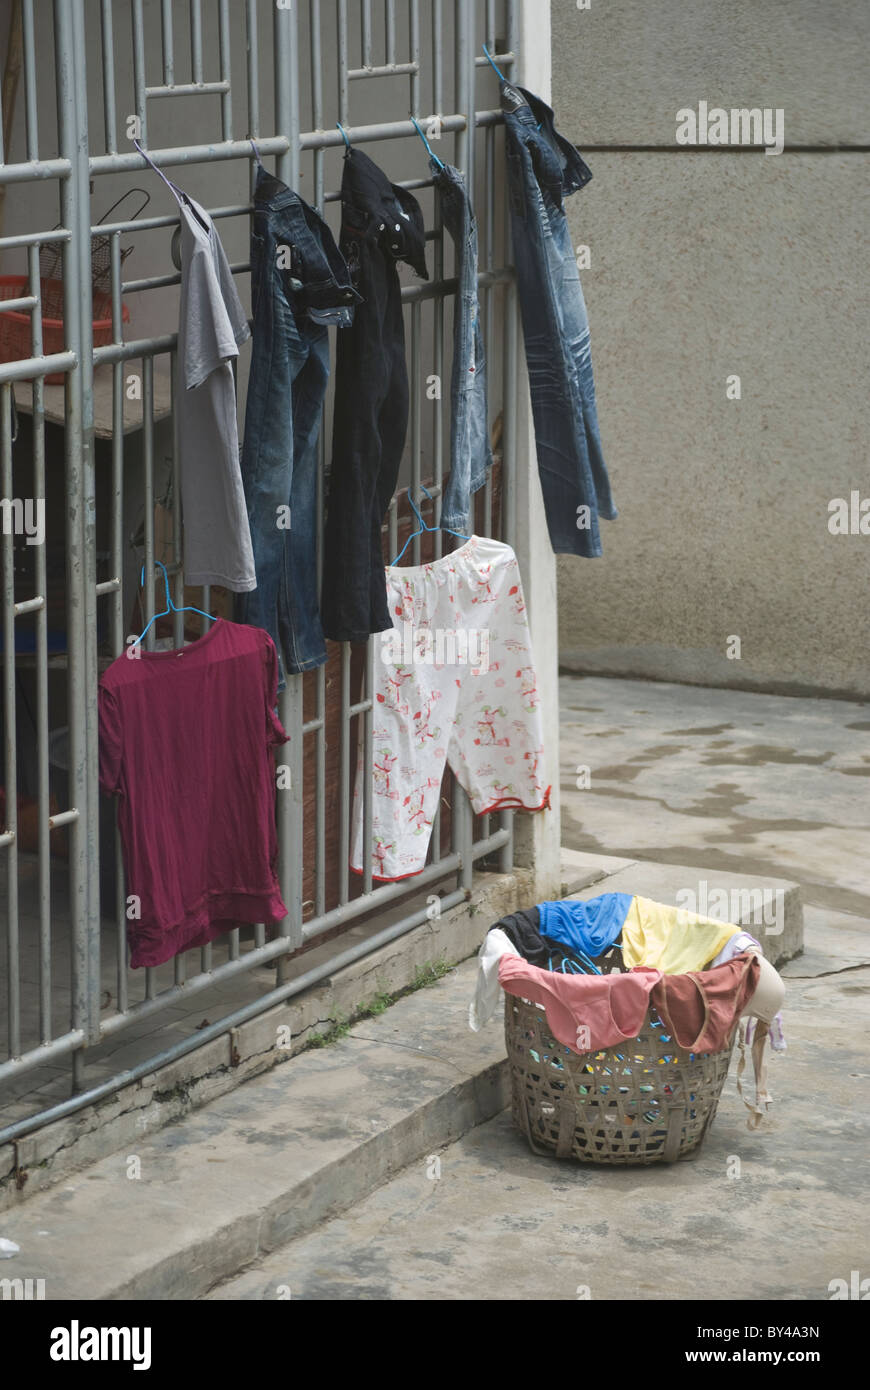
x=177, y=1211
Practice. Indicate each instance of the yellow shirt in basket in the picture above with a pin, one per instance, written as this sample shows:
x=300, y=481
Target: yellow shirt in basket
x=669, y=938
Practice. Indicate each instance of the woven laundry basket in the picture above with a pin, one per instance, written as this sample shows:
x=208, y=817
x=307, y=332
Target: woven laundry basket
x=643, y=1101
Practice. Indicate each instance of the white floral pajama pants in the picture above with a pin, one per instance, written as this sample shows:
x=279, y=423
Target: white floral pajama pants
x=454, y=682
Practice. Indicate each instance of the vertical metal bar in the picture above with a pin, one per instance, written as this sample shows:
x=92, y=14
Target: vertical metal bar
x=76, y=671
x=490, y=25
x=290, y=801
x=139, y=69
x=416, y=433
x=414, y=46
x=7, y=540
x=344, y=779
x=489, y=293
x=367, y=768
x=29, y=79
x=317, y=104
x=226, y=68
x=167, y=41
x=390, y=29
x=40, y=588
x=286, y=92
x=148, y=494
x=116, y=618
x=81, y=242
x=196, y=40
x=437, y=56
x=148, y=589
x=509, y=405
x=320, y=748
x=177, y=580
x=341, y=22
x=464, y=80
x=253, y=60
x=366, y=33
x=109, y=116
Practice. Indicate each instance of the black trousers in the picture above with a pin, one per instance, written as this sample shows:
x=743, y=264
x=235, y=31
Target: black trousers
x=381, y=225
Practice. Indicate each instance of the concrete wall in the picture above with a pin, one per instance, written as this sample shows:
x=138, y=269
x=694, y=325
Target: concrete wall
x=706, y=263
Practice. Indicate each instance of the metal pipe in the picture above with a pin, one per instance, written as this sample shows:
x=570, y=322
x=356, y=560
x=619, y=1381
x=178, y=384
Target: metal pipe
x=8, y=243
x=88, y=512
x=166, y=37
x=29, y=173
x=41, y=651
x=7, y=568
x=12, y=306
x=409, y=69
x=110, y=123
x=138, y=23
x=37, y=366
x=220, y=87
x=341, y=25
x=29, y=40
x=225, y=69
x=76, y=669
x=57, y=1048
x=196, y=40
x=253, y=68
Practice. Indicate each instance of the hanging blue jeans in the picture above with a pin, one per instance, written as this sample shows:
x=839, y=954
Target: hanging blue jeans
x=542, y=168
x=300, y=285
x=470, y=452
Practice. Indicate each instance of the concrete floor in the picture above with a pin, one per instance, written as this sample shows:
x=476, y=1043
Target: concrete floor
x=721, y=780
x=772, y=1214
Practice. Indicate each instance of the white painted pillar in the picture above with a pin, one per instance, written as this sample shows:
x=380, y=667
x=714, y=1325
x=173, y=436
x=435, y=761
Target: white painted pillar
x=537, y=838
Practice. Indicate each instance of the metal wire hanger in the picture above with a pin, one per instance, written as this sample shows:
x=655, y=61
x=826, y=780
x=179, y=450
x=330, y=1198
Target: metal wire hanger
x=178, y=193
x=423, y=527
x=170, y=606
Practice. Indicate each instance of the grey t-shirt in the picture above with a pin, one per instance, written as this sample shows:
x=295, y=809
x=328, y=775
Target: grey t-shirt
x=212, y=324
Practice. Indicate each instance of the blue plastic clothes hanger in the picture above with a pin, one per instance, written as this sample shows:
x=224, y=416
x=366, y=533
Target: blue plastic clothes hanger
x=170, y=606
x=432, y=154
x=253, y=144
x=344, y=137
x=489, y=58
x=423, y=527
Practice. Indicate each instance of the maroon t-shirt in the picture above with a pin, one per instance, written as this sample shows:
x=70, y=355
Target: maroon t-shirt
x=185, y=743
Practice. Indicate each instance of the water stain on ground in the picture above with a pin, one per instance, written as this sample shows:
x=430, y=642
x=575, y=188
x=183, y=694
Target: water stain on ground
x=863, y=726
x=760, y=754
x=693, y=733
x=621, y=772
x=659, y=750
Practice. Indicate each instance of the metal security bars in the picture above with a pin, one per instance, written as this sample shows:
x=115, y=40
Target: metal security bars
x=98, y=452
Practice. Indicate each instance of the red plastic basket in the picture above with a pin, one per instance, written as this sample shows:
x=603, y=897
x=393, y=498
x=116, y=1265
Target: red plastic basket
x=15, y=343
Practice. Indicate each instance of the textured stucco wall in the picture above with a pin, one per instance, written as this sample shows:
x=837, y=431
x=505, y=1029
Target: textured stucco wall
x=704, y=264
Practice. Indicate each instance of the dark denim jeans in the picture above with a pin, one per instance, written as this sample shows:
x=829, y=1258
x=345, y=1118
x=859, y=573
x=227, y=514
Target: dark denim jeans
x=470, y=452
x=542, y=168
x=381, y=224
x=300, y=285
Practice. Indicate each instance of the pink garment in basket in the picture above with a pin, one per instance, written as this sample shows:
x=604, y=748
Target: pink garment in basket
x=585, y=1012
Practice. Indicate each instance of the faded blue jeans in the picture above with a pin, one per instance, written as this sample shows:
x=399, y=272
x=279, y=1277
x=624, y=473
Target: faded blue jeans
x=542, y=168
x=300, y=285
x=470, y=452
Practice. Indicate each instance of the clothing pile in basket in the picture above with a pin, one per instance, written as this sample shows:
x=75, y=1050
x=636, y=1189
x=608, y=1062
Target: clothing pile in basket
x=598, y=967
